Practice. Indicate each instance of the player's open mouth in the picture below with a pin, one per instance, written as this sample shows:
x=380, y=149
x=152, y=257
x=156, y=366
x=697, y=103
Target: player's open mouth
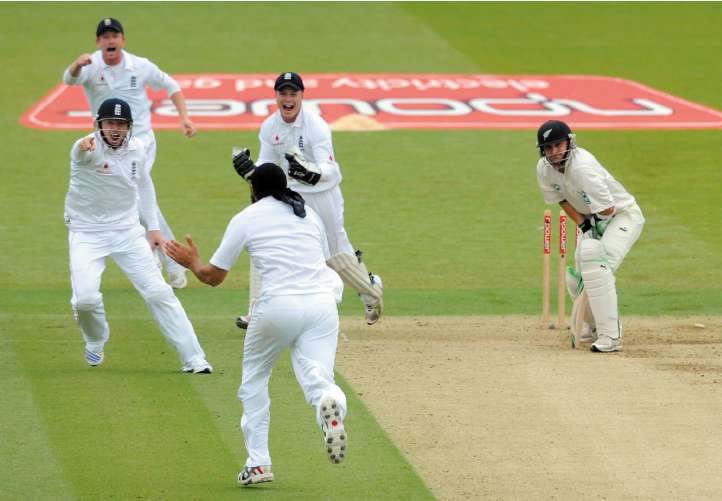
x=111, y=49
x=288, y=107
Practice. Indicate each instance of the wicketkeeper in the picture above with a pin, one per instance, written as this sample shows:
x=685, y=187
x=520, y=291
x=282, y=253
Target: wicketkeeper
x=610, y=221
x=299, y=140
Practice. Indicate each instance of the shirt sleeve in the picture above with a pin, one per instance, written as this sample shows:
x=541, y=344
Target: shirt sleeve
x=322, y=147
x=551, y=196
x=147, y=199
x=161, y=80
x=232, y=244
x=598, y=196
x=69, y=79
x=265, y=154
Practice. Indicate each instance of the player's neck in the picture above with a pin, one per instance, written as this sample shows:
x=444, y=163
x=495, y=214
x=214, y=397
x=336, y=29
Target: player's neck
x=116, y=61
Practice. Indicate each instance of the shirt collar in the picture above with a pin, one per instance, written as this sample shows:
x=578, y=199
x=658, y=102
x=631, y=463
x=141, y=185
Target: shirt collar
x=125, y=62
x=296, y=123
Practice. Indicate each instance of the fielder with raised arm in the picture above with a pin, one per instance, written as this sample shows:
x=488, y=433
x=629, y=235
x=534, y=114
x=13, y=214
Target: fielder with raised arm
x=112, y=72
x=297, y=309
x=610, y=221
x=109, y=187
x=299, y=140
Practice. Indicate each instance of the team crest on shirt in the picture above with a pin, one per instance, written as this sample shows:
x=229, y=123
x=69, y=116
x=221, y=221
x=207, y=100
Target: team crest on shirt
x=105, y=170
x=101, y=81
x=556, y=187
x=585, y=197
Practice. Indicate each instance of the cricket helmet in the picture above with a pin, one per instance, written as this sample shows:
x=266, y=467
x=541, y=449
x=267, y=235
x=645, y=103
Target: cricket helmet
x=552, y=132
x=114, y=109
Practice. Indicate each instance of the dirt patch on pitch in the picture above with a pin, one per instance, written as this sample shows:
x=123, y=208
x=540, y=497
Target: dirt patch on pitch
x=501, y=408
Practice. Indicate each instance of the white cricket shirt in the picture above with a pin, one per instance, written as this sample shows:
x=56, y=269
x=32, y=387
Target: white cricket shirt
x=289, y=252
x=108, y=187
x=585, y=184
x=126, y=80
x=309, y=133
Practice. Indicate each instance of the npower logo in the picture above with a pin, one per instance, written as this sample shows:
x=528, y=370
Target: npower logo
x=392, y=101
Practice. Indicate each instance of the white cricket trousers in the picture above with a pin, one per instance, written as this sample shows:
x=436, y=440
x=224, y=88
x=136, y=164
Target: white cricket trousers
x=329, y=207
x=150, y=153
x=131, y=251
x=308, y=325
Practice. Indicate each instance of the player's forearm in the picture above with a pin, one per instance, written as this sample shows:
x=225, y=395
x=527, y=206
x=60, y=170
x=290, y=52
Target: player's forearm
x=74, y=69
x=180, y=104
x=206, y=273
x=576, y=216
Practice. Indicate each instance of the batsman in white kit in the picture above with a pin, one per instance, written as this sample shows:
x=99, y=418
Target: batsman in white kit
x=112, y=72
x=299, y=140
x=296, y=308
x=610, y=222
x=109, y=187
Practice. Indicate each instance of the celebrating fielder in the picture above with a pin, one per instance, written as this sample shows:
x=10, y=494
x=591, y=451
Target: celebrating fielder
x=112, y=72
x=109, y=187
x=299, y=140
x=297, y=308
x=610, y=221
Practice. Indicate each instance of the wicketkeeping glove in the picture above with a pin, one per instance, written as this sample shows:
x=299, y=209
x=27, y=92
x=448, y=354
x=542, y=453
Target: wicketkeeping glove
x=302, y=170
x=243, y=164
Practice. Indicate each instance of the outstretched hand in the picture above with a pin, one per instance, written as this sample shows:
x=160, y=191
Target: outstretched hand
x=188, y=128
x=184, y=255
x=87, y=144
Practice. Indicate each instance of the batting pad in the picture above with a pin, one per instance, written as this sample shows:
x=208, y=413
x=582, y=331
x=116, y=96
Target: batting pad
x=599, y=284
x=354, y=274
x=581, y=314
x=574, y=282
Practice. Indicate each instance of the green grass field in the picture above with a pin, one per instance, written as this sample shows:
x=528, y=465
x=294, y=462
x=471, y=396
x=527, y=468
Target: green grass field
x=452, y=221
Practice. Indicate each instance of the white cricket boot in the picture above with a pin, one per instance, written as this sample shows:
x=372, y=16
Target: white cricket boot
x=94, y=358
x=255, y=475
x=202, y=367
x=177, y=279
x=607, y=344
x=334, y=433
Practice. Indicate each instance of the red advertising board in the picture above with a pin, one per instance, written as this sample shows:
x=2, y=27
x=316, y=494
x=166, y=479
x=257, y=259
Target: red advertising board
x=410, y=101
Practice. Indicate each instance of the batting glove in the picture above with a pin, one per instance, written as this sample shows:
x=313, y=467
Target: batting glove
x=243, y=164
x=601, y=222
x=589, y=230
x=302, y=170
